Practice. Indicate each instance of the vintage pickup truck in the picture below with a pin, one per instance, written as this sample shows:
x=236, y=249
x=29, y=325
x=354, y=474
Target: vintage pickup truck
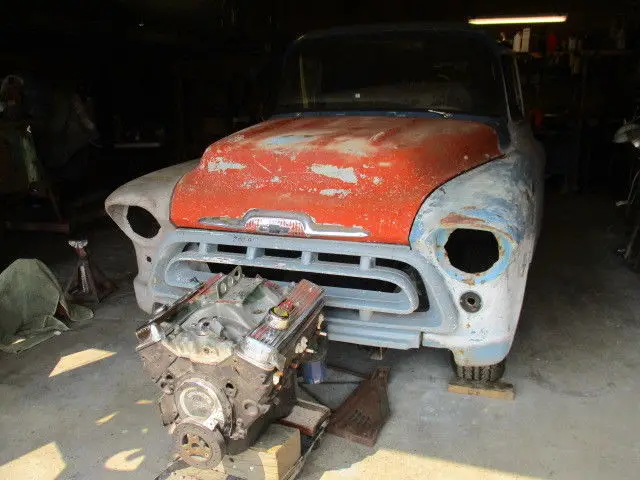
x=398, y=172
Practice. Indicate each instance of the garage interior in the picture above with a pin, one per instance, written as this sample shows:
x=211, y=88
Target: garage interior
x=114, y=90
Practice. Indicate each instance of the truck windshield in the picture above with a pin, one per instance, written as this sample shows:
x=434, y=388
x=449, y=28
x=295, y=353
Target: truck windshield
x=449, y=72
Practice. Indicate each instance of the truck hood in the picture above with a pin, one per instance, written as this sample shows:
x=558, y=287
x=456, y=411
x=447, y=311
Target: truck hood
x=351, y=177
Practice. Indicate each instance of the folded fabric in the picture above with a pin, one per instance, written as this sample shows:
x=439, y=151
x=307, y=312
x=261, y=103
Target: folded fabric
x=32, y=306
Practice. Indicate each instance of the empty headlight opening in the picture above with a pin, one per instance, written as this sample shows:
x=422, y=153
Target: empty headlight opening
x=142, y=222
x=472, y=251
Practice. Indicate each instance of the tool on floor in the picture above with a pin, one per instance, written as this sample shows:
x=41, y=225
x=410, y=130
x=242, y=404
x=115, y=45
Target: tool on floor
x=363, y=414
x=87, y=284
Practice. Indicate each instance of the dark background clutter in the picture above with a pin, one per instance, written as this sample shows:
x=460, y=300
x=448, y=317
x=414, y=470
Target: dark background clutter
x=111, y=90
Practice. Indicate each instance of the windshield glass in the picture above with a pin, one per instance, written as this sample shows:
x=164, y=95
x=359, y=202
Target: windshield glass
x=406, y=71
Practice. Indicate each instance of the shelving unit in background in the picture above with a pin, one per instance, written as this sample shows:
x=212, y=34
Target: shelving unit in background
x=578, y=110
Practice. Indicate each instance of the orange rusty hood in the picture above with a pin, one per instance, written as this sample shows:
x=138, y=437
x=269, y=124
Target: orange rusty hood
x=353, y=171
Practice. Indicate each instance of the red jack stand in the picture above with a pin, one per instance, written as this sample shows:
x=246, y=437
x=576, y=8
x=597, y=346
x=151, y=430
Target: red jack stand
x=88, y=284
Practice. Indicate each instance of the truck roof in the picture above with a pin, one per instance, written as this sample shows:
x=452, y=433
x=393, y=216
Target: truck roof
x=354, y=30
x=395, y=27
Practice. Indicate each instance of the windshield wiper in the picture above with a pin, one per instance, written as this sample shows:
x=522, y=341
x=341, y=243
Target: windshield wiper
x=440, y=112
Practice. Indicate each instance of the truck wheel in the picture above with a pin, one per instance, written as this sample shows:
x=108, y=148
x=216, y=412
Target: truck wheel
x=485, y=374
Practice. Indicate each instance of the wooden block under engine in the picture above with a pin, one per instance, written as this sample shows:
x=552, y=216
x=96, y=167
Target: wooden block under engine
x=270, y=458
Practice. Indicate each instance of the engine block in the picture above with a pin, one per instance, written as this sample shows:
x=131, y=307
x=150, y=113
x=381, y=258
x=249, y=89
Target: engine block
x=225, y=357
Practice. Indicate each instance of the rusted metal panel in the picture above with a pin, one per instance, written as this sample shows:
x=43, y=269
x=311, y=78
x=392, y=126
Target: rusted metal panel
x=362, y=415
x=391, y=191
x=503, y=197
x=367, y=173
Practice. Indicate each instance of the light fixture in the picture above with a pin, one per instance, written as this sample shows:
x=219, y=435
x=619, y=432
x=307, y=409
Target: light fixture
x=518, y=20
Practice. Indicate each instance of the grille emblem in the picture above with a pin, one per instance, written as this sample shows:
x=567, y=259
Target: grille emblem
x=272, y=222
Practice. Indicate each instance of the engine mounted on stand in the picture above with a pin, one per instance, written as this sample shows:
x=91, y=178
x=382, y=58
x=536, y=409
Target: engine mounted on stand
x=225, y=357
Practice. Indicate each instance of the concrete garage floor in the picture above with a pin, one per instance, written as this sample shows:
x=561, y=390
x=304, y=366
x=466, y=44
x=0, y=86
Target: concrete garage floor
x=574, y=364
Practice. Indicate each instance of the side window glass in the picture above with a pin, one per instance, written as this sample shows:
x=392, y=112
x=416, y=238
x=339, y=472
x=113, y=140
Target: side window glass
x=514, y=98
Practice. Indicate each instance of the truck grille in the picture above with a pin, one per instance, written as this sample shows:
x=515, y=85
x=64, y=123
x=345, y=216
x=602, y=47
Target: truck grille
x=355, y=276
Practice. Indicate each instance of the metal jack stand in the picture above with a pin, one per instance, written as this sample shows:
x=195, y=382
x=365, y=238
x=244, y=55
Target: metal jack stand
x=378, y=353
x=88, y=284
x=363, y=414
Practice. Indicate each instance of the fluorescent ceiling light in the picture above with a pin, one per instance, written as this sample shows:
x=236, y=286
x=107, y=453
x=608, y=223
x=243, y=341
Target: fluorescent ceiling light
x=514, y=20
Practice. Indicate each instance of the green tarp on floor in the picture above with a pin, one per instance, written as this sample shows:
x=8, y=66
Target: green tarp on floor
x=32, y=306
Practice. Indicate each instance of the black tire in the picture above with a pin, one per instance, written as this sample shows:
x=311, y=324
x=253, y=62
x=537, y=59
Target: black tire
x=485, y=374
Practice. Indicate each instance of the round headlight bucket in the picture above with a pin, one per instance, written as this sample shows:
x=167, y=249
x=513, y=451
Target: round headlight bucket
x=142, y=222
x=198, y=399
x=472, y=256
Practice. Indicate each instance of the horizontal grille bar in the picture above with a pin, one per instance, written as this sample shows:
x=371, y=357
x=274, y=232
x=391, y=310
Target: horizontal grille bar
x=352, y=280
x=403, y=298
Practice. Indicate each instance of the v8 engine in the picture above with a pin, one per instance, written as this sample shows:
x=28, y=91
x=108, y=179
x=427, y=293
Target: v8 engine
x=225, y=358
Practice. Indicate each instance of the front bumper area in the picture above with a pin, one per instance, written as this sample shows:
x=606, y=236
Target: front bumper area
x=394, y=319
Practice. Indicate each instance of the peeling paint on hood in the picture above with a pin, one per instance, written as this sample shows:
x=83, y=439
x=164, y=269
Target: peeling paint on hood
x=345, y=174
x=373, y=172
x=333, y=192
x=220, y=164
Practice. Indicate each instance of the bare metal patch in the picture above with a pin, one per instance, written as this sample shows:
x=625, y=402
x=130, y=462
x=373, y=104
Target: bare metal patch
x=347, y=175
x=220, y=164
x=353, y=146
x=335, y=192
x=252, y=183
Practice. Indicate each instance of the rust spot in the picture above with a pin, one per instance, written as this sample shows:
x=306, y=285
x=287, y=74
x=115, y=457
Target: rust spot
x=458, y=220
x=468, y=325
x=455, y=219
x=471, y=281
